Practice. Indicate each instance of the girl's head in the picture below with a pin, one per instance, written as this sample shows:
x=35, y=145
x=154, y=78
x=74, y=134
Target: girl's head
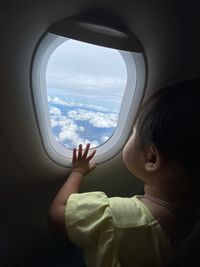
x=169, y=123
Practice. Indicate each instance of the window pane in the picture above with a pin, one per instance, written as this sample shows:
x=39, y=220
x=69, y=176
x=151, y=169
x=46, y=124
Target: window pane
x=85, y=86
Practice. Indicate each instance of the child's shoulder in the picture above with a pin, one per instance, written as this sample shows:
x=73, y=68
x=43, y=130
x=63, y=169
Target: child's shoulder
x=130, y=212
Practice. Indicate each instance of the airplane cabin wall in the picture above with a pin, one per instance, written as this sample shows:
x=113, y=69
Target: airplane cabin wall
x=29, y=179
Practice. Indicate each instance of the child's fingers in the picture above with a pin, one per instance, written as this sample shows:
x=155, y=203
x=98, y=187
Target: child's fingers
x=80, y=152
x=86, y=151
x=91, y=156
x=74, y=155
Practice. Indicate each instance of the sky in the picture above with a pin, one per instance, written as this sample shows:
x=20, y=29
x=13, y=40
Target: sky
x=86, y=72
x=85, y=87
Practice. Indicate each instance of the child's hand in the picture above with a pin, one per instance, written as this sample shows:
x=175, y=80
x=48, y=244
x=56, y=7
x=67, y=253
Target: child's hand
x=82, y=163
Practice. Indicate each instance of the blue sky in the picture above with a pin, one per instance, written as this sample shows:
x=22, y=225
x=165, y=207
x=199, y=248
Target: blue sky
x=85, y=86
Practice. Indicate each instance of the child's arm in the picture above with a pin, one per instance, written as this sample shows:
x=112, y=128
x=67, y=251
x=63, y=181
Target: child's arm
x=82, y=164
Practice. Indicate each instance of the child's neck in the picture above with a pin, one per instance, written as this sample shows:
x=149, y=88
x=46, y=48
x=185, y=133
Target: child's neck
x=177, y=196
x=169, y=183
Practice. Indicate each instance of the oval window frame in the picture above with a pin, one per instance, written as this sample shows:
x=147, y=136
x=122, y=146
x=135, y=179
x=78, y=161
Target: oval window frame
x=129, y=106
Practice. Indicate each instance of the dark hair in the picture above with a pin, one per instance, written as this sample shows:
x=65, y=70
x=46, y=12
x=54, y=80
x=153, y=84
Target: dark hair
x=169, y=119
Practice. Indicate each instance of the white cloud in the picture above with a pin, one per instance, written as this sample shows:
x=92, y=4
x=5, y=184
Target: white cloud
x=64, y=123
x=55, y=111
x=68, y=135
x=70, y=132
x=97, y=119
x=58, y=101
x=81, y=129
x=54, y=123
x=71, y=138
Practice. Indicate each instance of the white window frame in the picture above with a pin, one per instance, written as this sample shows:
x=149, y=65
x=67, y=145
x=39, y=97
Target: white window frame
x=135, y=62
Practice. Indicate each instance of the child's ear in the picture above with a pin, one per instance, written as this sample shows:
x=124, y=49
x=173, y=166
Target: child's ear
x=152, y=158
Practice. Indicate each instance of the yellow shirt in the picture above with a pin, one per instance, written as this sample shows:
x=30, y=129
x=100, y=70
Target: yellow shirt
x=116, y=232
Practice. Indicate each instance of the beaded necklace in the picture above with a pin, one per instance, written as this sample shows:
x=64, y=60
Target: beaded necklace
x=161, y=202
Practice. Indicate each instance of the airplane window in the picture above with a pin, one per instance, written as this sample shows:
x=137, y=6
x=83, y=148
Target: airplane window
x=85, y=86
x=85, y=93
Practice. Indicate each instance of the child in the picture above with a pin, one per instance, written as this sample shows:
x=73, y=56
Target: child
x=150, y=229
